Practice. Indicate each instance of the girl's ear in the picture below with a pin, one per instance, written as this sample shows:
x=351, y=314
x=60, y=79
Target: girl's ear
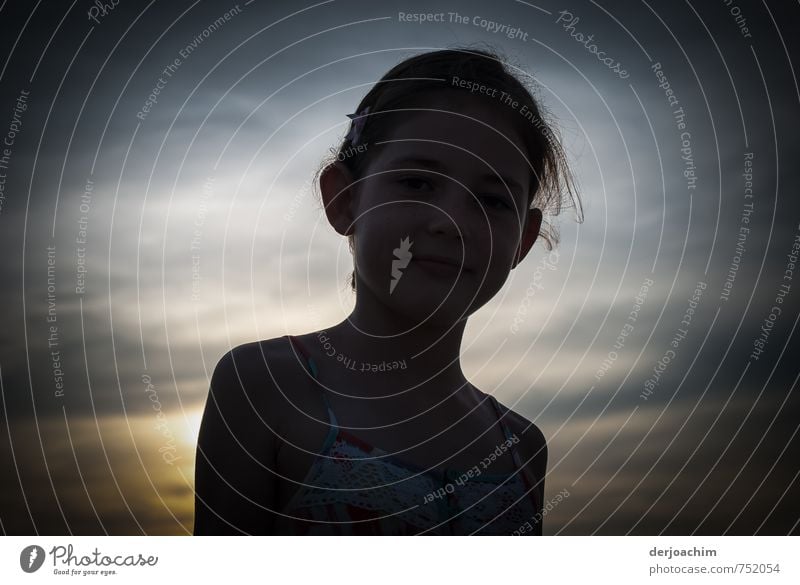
x=531, y=232
x=338, y=195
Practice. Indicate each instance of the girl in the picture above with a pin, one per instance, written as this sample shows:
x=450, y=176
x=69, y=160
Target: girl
x=370, y=426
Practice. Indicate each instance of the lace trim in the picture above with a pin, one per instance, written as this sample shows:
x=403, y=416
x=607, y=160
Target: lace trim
x=346, y=478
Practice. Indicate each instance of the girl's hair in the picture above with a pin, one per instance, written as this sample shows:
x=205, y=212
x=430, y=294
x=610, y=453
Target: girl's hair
x=417, y=80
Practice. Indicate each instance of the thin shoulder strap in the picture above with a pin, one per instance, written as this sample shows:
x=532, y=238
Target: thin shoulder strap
x=313, y=370
x=514, y=451
x=302, y=349
x=506, y=431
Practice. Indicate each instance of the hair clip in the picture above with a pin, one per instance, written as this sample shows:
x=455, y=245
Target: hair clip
x=357, y=125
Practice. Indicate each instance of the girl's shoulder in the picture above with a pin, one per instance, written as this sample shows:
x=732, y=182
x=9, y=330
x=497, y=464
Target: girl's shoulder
x=267, y=371
x=243, y=366
x=532, y=444
x=254, y=355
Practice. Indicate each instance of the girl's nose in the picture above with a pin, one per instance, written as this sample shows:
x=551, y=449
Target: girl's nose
x=451, y=214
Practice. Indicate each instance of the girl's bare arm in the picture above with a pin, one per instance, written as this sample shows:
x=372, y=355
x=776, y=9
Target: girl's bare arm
x=235, y=487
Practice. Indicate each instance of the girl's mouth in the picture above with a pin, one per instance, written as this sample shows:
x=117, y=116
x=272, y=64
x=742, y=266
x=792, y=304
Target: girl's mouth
x=437, y=266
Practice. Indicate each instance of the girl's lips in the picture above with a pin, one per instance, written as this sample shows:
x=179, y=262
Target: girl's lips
x=438, y=266
x=438, y=258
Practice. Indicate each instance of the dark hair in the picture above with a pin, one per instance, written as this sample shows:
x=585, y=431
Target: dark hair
x=412, y=82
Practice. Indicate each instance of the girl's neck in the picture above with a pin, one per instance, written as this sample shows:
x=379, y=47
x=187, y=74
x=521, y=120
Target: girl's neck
x=367, y=346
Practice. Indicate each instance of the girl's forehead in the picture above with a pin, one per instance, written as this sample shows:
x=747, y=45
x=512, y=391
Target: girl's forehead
x=458, y=134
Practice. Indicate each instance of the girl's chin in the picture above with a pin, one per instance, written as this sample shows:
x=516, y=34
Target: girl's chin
x=432, y=303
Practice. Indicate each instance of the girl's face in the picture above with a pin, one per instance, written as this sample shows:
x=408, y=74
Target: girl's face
x=456, y=187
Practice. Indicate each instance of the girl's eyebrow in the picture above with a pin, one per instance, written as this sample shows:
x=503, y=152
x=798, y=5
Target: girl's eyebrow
x=435, y=165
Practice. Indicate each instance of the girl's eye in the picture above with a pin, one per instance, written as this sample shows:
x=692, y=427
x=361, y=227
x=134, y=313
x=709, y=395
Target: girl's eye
x=414, y=182
x=496, y=202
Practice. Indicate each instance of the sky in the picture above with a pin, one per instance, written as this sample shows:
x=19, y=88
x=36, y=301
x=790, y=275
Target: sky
x=112, y=205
